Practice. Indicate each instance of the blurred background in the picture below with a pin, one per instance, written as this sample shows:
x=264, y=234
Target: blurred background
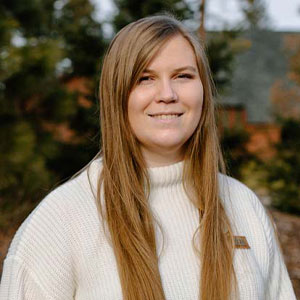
x=50, y=62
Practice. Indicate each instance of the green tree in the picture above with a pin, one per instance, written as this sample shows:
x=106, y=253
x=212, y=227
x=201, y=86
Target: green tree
x=131, y=10
x=255, y=14
x=234, y=144
x=83, y=38
x=283, y=171
x=46, y=132
x=222, y=48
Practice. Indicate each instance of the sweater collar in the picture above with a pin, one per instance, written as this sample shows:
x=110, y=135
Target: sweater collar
x=166, y=175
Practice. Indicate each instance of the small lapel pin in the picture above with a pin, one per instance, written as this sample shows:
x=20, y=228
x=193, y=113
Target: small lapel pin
x=240, y=242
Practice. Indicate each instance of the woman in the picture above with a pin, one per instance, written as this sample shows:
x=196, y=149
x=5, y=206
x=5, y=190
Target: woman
x=151, y=218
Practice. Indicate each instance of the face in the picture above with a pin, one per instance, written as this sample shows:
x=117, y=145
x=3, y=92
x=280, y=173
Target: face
x=165, y=106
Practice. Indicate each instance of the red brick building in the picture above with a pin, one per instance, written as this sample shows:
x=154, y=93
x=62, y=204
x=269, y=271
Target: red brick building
x=263, y=136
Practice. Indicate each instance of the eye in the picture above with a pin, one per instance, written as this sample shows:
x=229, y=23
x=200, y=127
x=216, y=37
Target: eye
x=144, y=79
x=185, y=75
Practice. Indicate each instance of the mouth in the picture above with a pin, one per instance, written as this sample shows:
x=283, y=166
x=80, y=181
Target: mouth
x=165, y=116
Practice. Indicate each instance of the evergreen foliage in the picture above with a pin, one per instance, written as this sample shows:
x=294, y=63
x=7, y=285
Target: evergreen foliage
x=46, y=132
x=236, y=155
x=283, y=172
x=221, y=51
x=255, y=14
x=131, y=10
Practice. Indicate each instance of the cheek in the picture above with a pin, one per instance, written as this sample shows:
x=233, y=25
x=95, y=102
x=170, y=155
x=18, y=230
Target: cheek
x=132, y=117
x=137, y=102
x=195, y=99
x=136, y=107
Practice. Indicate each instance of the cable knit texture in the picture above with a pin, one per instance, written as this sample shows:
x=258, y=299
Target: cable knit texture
x=61, y=251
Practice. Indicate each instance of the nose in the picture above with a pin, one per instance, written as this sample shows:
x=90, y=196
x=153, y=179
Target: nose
x=166, y=92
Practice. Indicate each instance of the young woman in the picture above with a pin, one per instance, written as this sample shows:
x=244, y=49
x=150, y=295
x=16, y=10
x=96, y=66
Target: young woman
x=151, y=218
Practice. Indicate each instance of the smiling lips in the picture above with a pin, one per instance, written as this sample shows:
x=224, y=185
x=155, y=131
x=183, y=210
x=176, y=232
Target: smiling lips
x=165, y=116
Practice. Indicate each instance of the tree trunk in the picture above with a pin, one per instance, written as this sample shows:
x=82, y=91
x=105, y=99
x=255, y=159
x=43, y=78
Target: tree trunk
x=201, y=30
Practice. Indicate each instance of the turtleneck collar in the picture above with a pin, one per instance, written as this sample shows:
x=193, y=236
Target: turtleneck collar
x=166, y=175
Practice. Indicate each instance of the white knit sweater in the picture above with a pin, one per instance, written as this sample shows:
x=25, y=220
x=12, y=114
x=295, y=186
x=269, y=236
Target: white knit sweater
x=61, y=252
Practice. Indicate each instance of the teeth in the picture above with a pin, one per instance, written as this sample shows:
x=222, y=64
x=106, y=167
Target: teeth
x=165, y=117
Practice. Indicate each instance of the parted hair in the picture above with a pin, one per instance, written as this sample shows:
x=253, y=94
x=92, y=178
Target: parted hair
x=124, y=187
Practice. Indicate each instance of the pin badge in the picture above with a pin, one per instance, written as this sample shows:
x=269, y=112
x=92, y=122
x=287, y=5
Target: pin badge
x=240, y=242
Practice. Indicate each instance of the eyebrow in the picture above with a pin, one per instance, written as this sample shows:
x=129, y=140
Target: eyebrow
x=190, y=68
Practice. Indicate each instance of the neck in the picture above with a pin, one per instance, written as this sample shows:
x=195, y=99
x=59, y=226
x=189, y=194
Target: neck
x=162, y=157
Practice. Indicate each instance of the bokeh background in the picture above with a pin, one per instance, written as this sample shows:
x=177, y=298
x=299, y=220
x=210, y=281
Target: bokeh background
x=50, y=62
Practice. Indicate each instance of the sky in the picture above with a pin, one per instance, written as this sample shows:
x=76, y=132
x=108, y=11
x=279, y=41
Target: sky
x=284, y=15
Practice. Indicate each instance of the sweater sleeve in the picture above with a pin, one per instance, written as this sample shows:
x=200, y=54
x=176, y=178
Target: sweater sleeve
x=18, y=283
x=253, y=219
x=279, y=285
x=39, y=262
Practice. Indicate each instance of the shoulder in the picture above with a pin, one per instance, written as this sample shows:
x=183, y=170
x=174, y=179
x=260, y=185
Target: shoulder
x=51, y=223
x=45, y=249
x=246, y=212
x=237, y=195
x=264, y=259
x=249, y=219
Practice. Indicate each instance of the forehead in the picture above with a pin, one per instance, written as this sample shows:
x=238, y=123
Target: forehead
x=174, y=53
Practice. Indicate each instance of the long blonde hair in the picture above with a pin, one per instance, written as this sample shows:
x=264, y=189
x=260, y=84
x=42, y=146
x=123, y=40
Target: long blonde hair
x=124, y=177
